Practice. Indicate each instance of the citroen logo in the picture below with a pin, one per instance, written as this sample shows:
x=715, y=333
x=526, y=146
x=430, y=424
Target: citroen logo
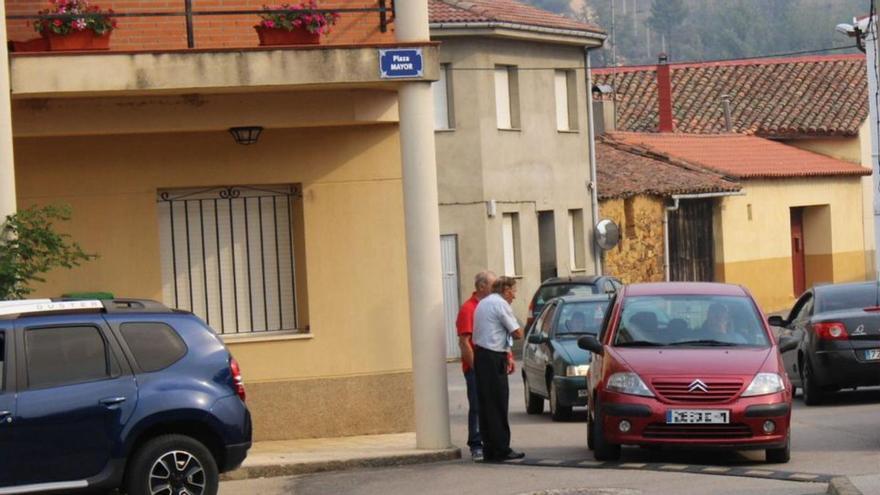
x=698, y=385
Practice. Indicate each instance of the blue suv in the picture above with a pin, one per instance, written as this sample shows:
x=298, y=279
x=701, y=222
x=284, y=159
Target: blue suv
x=98, y=395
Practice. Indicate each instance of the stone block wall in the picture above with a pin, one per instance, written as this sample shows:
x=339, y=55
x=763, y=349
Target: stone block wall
x=639, y=255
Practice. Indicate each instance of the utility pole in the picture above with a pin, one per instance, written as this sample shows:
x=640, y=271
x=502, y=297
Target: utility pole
x=7, y=164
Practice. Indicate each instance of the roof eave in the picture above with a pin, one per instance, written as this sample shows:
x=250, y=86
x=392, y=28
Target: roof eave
x=514, y=30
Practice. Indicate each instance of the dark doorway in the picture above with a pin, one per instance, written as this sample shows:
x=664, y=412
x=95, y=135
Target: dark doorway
x=691, y=244
x=798, y=259
x=547, y=244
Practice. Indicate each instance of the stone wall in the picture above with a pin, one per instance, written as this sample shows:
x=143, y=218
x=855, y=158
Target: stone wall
x=639, y=256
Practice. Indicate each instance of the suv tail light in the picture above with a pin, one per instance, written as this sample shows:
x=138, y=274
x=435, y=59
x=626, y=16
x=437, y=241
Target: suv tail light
x=237, y=381
x=830, y=331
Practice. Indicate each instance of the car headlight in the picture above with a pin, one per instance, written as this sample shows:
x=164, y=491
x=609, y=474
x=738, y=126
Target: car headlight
x=628, y=383
x=765, y=383
x=580, y=370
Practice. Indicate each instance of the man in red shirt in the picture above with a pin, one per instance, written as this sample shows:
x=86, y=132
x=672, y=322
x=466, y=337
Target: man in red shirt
x=465, y=325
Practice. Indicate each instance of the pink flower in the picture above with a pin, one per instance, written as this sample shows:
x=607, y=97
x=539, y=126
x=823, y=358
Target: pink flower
x=269, y=24
x=79, y=24
x=57, y=22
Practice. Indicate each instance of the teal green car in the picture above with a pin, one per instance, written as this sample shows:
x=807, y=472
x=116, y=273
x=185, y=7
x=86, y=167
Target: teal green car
x=553, y=367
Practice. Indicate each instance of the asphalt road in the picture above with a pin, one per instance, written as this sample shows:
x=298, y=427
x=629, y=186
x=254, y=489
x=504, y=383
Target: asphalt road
x=839, y=438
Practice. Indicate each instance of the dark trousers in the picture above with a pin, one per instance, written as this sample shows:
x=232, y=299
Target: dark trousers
x=491, y=371
x=474, y=441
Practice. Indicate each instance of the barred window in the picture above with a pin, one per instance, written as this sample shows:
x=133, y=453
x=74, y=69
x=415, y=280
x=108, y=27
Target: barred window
x=228, y=255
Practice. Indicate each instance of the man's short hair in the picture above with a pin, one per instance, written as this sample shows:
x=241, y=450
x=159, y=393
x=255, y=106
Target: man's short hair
x=483, y=278
x=503, y=283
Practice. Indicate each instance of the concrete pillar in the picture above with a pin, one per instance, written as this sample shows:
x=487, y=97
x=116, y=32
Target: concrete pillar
x=423, y=241
x=7, y=168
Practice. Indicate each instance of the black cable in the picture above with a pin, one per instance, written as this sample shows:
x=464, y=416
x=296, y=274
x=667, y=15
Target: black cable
x=581, y=67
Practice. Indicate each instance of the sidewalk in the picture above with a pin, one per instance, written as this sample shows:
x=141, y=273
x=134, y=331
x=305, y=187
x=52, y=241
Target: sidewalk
x=291, y=457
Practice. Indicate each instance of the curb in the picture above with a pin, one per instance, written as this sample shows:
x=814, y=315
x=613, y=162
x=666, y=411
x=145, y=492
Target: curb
x=291, y=469
x=842, y=486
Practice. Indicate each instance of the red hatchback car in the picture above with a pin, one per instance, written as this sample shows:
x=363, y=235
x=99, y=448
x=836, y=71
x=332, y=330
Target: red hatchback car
x=687, y=364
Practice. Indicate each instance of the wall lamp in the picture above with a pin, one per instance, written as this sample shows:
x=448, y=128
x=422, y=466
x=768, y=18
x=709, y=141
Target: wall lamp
x=246, y=135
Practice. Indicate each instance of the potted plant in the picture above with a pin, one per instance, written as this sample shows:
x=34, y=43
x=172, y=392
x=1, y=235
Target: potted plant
x=86, y=28
x=288, y=24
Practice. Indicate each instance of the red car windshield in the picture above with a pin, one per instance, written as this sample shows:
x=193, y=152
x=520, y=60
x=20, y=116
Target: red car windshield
x=690, y=320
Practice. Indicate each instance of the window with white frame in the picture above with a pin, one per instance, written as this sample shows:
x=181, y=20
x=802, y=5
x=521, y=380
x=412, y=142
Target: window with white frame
x=228, y=255
x=444, y=115
x=507, y=97
x=576, y=248
x=511, y=244
x=566, y=100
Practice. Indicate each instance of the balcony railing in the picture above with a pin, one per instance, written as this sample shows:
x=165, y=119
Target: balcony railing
x=360, y=22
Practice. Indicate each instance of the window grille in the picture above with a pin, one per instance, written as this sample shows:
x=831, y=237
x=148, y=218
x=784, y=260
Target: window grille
x=227, y=255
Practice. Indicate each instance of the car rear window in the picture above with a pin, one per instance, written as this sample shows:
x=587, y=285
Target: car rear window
x=66, y=355
x=549, y=292
x=155, y=345
x=579, y=318
x=841, y=297
x=690, y=320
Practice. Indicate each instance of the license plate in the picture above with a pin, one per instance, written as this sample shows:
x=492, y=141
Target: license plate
x=872, y=355
x=582, y=393
x=697, y=416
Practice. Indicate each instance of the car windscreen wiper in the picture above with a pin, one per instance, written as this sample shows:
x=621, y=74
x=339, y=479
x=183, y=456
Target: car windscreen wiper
x=640, y=343
x=706, y=342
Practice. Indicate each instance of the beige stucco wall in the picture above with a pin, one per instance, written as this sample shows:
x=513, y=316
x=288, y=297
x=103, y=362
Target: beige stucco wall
x=757, y=252
x=357, y=360
x=535, y=168
x=856, y=149
x=639, y=255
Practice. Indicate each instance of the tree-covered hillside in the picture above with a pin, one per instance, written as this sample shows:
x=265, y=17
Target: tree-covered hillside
x=711, y=29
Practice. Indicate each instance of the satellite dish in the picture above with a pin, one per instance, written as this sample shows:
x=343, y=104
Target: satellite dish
x=607, y=234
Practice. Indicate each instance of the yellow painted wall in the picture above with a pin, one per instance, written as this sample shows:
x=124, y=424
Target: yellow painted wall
x=353, y=223
x=756, y=252
x=855, y=149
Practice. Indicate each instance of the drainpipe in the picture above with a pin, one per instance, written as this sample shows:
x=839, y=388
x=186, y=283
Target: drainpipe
x=7, y=164
x=674, y=207
x=591, y=144
x=422, y=222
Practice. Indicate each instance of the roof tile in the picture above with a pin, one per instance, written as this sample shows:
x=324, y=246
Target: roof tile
x=815, y=96
x=740, y=156
x=625, y=171
x=512, y=11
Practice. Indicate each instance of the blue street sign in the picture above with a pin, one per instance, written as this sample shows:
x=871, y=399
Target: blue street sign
x=400, y=63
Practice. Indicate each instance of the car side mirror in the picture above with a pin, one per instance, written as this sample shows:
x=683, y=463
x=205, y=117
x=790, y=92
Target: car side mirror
x=589, y=343
x=787, y=344
x=537, y=338
x=776, y=321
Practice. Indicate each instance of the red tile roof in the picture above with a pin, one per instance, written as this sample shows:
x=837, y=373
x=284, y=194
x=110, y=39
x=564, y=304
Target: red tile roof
x=741, y=157
x=623, y=171
x=511, y=11
x=813, y=96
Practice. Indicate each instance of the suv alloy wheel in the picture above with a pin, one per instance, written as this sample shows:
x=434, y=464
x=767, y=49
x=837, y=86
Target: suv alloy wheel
x=172, y=464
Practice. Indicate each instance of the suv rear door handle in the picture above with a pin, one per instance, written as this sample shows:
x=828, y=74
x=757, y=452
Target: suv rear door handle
x=112, y=401
x=5, y=417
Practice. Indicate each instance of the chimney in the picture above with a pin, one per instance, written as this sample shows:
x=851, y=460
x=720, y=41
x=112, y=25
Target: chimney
x=603, y=109
x=725, y=103
x=664, y=96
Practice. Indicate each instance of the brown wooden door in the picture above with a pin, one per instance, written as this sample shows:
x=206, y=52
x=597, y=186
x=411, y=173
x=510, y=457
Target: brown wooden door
x=798, y=260
x=691, y=244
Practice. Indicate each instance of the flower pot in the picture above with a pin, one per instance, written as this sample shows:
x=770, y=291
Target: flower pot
x=274, y=36
x=77, y=41
x=31, y=45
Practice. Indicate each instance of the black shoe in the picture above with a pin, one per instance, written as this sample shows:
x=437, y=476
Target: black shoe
x=512, y=456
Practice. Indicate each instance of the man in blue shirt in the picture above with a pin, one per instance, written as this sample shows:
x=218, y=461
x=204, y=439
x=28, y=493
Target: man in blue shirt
x=495, y=327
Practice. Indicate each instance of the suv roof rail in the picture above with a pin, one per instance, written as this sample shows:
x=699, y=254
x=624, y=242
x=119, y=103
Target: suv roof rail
x=34, y=306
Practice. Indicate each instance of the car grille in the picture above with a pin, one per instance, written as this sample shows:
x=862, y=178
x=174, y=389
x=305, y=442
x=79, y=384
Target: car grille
x=677, y=390
x=660, y=430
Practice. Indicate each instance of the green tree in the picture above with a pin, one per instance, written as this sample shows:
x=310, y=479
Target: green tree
x=30, y=246
x=558, y=6
x=666, y=17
